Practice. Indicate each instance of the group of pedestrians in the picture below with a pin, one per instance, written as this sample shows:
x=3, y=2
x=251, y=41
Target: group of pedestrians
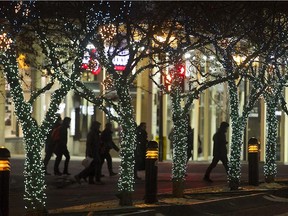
x=98, y=146
x=56, y=142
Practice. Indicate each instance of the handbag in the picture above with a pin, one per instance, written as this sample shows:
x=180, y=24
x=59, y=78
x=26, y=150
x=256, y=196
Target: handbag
x=199, y=150
x=87, y=161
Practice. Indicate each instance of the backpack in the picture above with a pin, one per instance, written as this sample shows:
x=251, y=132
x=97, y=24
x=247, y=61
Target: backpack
x=55, y=136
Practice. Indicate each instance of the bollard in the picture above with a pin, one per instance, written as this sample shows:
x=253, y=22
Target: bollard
x=253, y=160
x=151, y=170
x=4, y=181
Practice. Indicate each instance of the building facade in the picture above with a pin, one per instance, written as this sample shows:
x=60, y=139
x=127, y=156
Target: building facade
x=207, y=113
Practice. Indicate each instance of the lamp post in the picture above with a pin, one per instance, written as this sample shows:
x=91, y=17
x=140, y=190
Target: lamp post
x=4, y=181
x=161, y=121
x=161, y=143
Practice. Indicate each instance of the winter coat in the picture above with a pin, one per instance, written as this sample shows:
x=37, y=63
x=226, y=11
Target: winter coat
x=219, y=147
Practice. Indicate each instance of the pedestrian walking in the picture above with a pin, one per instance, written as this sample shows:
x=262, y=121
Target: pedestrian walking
x=190, y=143
x=219, y=150
x=170, y=137
x=108, y=144
x=190, y=140
x=61, y=147
x=93, y=147
x=50, y=145
x=141, y=145
x=142, y=140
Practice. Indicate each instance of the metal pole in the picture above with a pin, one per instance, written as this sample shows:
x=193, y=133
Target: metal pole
x=245, y=129
x=151, y=171
x=4, y=181
x=253, y=160
x=161, y=125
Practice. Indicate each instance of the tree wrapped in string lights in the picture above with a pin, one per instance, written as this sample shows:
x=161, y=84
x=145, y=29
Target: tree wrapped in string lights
x=224, y=43
x=58, y=55
x=15, y=17
x=237, y=51
x=266, y=73
x=181, y=38
x=122, y=43
x=272, y=75
x=113, y=36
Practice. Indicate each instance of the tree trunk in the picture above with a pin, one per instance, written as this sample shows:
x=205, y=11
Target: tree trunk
x=270, y=165
x=178, y=188
x=269, y=178
x=179, y=136
x=34, y=180
x=128, y=144
x=125, y=198
x=36, y=212
x=234, y=172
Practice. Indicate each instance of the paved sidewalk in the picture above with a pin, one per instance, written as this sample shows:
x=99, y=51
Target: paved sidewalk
x=191, y=197
x=66, y=197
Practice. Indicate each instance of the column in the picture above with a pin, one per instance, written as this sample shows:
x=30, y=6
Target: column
x=207, y=123
x=165, y=120
x=195, y=125
x=263, y=129
x=2, y=107
x=285, y=135
x=139, y=99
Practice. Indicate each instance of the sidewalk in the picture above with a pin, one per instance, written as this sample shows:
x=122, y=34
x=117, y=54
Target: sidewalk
x=66, y=197
x=191, y=197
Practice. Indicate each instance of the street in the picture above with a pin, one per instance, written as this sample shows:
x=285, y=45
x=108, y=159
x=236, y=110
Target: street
x=201, y=198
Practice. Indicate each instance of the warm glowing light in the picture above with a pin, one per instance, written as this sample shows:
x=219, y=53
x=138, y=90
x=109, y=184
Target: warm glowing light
x=253, y=148
x=5, y=42
x=21, y=62
x=4, y=165
x=152, y=154
x=107, y=32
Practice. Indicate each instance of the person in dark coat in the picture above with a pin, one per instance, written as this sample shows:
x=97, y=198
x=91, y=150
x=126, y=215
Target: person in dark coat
x=190, y=140
x=107, y=140
x=142, y=140
x=93, y=145
x=61, y=148
x=50, y=145
x=170, y=137
x=219, y=150
x=141, y=145
x=190, y=143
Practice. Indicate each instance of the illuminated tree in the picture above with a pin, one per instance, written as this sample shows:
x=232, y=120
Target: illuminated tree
x=40, y=37
x=188, y=54
x=125, y=49
x=13, y=21
x=271, y=66
x=118, y=36
x=237, y=52
x=182, y=102
x=225, y=46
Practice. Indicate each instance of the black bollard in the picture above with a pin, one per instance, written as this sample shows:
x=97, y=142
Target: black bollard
x=253, y=160
x=4, y=181
x=151, y=171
